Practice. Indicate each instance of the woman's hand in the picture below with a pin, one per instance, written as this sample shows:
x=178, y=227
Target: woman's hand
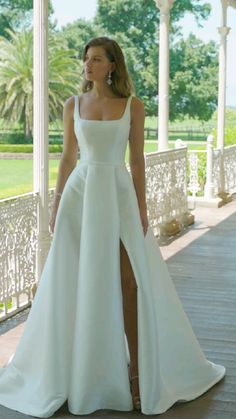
x=144, y=220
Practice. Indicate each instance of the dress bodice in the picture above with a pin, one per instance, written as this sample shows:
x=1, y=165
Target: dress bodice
x=102, y=141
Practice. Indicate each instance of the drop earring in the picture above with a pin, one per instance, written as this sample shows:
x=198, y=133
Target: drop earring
x=109, y=80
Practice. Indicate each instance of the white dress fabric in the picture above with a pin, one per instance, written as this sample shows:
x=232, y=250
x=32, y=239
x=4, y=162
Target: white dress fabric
x=74, y=346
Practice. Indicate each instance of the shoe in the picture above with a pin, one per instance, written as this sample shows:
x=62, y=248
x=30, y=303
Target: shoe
x=136, y=399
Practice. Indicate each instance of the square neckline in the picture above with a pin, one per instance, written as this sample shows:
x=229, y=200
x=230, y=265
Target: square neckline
x=101, y=120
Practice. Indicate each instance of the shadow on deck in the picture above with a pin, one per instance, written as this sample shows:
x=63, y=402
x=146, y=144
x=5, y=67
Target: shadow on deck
x=202, y=263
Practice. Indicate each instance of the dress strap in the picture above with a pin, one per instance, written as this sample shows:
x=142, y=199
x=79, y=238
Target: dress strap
x=76, y=107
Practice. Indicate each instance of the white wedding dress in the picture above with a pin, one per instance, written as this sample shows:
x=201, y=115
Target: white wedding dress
x=73, y=346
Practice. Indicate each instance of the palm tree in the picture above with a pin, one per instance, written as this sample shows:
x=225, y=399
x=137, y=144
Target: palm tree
x=16, y=78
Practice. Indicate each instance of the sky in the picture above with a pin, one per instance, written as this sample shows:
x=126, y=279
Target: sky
x=86, y=9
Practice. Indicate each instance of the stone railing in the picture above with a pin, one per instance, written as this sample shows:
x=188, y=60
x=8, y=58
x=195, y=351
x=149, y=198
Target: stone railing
x=230, y=168
x=18, y=246
x=166, y=191
x=211, y=174
x=18, y=232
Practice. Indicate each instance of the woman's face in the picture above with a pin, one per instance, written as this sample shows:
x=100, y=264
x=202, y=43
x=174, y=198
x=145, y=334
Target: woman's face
x=96, y=64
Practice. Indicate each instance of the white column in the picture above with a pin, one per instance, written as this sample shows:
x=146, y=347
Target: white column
x=163, y=84
x=223, y=31
x=40, y=128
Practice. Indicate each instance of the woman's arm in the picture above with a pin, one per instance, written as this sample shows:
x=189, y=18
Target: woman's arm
x=136, y=156
x=69, y=155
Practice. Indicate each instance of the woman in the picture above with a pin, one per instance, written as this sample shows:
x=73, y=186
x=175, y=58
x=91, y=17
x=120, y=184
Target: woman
x=103, y=100
x=104, y=279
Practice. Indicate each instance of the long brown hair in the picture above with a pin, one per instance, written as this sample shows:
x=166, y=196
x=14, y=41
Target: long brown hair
x=122, y=84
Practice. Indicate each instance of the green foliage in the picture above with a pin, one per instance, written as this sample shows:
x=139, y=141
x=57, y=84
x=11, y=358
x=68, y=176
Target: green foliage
x=230, y=116
x=193, y=79
x=139, y=19
x=127, y=17
x=193, y=64
x=134, y=24
x=17, y=15
x=199, y=10
x=230, y=135
x=9, y=305
x=230, y=127
x=14, y=15
x=28, y=148
x=16, y=78
x=16, y=4
x=13, y=138
x=64, y=75
x=76, y=34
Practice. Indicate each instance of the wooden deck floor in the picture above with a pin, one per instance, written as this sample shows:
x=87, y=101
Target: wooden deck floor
x=202, y=263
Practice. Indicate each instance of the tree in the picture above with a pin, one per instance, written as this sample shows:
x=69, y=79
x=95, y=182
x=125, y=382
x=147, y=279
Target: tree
x=134, y=24
x=16, y=4
x=194, y=79
x=16, y=15
x=76, y=35
x=139, y=19
x=16, y=78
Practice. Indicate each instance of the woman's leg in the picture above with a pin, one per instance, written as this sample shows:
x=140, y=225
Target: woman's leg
x=129, y=291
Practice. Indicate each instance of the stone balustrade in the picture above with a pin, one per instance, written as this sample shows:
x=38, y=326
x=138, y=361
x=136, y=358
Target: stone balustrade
x=212, y=174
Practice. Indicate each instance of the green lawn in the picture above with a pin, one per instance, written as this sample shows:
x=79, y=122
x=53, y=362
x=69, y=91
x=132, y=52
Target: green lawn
x=16, y=176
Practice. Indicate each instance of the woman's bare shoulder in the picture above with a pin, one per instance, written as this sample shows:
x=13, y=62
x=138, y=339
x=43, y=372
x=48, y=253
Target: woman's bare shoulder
x=137, y=107
x=69, y=106
x=136, y=99
x=69, y=103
